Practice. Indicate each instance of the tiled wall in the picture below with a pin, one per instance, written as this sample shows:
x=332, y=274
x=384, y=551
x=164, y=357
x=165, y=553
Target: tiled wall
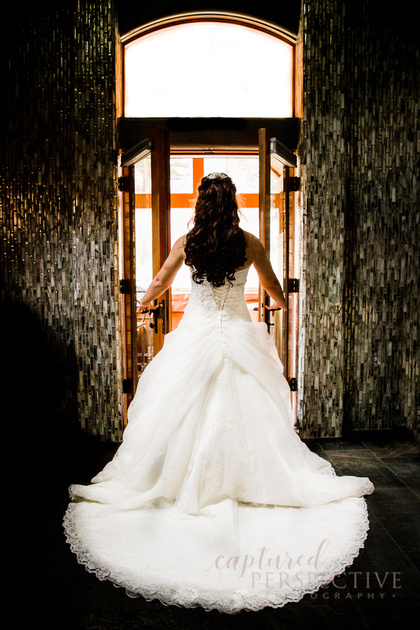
x=361, y=217
x=360, y=261
x=59, y=228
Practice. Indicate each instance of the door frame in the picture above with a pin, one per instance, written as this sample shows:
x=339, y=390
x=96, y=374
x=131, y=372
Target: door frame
x=210, y=134
x=164, y=146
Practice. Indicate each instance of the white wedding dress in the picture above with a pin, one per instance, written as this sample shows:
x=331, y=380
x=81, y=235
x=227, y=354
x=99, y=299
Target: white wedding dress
x=212, y=499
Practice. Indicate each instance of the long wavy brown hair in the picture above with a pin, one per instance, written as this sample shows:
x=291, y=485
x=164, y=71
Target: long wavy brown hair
x=215, y=246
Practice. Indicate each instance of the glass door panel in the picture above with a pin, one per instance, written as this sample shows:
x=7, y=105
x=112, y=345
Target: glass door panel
x=278, y=246
x=275, y=160
x=184, y=182
x=143, y=238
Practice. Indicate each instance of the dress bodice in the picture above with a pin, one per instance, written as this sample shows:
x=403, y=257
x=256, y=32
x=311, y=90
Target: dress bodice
x=228, y=301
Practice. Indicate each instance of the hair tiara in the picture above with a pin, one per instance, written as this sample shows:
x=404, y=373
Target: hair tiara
x=217, y=176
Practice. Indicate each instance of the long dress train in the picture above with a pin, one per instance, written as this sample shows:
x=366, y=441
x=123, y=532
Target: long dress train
x=212, y=499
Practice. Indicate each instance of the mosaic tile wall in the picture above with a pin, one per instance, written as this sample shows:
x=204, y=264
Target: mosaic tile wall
x=59, y=228
x=360, y=298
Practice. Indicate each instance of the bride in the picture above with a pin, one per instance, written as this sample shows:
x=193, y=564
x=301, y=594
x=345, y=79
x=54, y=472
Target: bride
x=212, y=499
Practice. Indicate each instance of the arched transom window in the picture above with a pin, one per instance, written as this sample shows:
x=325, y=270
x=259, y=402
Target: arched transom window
x=208, y=69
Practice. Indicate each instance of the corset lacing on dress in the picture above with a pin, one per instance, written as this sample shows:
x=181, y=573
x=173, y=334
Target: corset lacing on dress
x=228, y=299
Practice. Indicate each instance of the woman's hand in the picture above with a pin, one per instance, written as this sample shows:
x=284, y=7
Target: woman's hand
x=144, y=307
x=277, y=307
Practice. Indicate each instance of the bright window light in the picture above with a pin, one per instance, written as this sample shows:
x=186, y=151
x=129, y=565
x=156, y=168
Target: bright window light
x=208, y=69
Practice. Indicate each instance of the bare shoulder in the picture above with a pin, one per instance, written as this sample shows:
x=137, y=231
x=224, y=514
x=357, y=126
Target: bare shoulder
x=179, y=246
x=253, y=246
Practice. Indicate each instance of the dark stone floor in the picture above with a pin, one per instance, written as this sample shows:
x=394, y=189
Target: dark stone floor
x=380, y=590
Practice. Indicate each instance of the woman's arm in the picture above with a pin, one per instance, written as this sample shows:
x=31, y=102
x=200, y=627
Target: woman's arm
x=266, y=273
x=166, y=275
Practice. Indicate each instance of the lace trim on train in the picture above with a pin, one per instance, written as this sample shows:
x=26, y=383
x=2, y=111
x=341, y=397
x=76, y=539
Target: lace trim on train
x=209, y=599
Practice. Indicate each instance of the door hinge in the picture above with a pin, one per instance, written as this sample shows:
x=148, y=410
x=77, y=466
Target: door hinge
x=294, y=184
x=126, y=384
x=124, y=286
x=293, y=385
x=123, y=184
x=293, y=285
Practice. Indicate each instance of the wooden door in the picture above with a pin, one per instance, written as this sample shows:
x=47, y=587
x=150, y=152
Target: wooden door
x=145, y=242
x=277, y=234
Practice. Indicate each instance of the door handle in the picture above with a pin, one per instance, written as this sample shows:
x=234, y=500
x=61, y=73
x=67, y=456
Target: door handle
x=158, y=313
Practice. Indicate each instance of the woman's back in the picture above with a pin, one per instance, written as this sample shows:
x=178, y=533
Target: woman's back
x=221, y=304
